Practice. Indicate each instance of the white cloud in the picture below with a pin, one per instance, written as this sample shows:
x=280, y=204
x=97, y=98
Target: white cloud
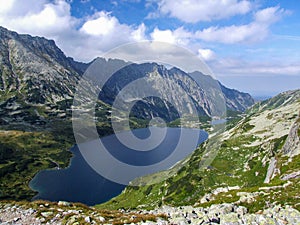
x=87, y=38
x=254, y=31
x=193, y=11
x=206, y=54
x=267, y=69
x=52, y=19
x=37, y=17
x=103, y=24
x=163, y=36
x=103, y=32
x=269, y=15
x=139, y=33
x=179, y=36
x=241, y=66
x=6, y=5
x=233, y=34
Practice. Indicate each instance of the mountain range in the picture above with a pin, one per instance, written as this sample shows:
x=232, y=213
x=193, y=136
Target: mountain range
x=36, y=72
x=257, y=155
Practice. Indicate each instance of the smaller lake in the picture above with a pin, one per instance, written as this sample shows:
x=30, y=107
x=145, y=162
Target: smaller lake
x=81, y=183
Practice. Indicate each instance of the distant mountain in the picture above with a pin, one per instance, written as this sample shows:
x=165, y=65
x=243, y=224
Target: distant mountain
x=235, y=100
x=206, y=93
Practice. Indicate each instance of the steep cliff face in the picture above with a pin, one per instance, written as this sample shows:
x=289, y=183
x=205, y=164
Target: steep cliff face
x=235, y=100
x=34, y=69
x=37, y=81
x=176, y=87
x=169, y=91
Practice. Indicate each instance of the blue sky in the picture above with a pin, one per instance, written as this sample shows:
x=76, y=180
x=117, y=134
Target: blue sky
x=253, y=46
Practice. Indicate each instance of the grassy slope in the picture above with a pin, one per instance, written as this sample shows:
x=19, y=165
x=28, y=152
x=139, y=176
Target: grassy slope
x=243, y=158
x=27, y=147
x=24, y=153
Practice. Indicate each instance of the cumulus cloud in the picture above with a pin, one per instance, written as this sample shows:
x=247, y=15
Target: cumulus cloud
x=163, y=36
x=179, y=36
x=36, y=17
x=92, y=36
x=139, y=33
x=103, y=24
x=82, y=39
x=192, y=11
x=103, y=32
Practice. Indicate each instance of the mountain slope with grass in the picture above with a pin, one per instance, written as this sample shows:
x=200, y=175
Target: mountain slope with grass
x=256, y=166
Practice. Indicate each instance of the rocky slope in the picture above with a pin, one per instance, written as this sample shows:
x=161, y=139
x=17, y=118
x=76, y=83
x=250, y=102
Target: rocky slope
x=235, y=100
x=71, y=214
x=36, y=79
x=257, y=165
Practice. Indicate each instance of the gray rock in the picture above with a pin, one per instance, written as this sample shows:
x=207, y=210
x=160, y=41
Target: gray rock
x=293, y=175
x=72, y=220
x=291, y=145
x=229, y=219
x=291, y=215
x=263, y=220
x=249, y=219
x=102, y=219
x=271, y=170
x=47, y=214
x=88, y=219
x=241, y=210
x=63, y=203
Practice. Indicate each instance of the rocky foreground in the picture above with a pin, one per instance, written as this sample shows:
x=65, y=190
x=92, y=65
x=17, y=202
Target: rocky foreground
x=72, y=214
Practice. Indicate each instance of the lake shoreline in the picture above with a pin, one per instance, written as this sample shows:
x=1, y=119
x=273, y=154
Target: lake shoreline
x=80, y=183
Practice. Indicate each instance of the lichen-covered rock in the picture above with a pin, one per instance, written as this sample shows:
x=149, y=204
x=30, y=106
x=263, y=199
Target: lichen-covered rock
x=230, y=219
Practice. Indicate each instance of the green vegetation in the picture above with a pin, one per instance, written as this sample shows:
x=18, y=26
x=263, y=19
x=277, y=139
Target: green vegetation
x=237, y=163
x=24, y=153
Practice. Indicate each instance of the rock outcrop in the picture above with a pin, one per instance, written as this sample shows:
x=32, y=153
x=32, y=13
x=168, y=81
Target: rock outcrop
x=292, y=143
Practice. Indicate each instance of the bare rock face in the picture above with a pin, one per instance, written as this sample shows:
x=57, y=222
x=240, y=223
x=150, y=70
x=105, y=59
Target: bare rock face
x=292, y=144
x=177, y=87
x=271, y=170
x=37, y=80
x=34, y=69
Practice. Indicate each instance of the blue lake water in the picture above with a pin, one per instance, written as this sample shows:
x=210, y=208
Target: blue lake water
x=81, y=183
